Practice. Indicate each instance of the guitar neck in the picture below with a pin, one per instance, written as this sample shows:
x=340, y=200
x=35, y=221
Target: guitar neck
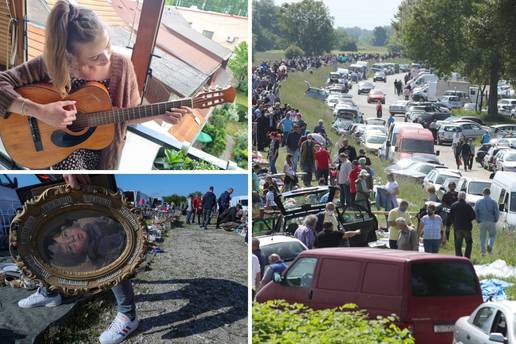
x=94, y=119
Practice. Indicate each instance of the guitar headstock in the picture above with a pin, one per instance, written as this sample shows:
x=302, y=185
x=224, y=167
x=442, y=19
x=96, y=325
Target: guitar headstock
x=210, y=98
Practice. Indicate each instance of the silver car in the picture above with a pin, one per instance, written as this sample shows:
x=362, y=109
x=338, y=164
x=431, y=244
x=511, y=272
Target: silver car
x=470, y=130
x=491, y=322
x=398, y=108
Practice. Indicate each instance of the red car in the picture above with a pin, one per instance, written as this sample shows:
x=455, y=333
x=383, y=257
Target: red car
x=428, y=292
x=375, y=96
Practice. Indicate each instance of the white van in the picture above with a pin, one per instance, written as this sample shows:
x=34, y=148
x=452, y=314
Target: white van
x=242, y=200
x=392, y=136
x=503, y=191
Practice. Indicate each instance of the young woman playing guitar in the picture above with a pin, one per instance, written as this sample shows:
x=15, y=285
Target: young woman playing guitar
x=77, y=50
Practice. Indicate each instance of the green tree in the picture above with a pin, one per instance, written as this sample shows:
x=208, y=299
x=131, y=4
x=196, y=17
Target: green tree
x=379, y=36
x=309, y=25
x=473, y=37
x=293, y=51
x=344, y=41
x=265, y=25
x=238, y=65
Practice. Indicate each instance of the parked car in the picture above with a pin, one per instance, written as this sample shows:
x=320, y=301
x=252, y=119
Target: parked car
x=414, y=140
x=489, y=159
x=503, y=191
x=506, y=161
x=451, y=102
x=365, y=87
x=475, y=119
x=491, y=322
x=407, y=162
x=505, y=106
x=376, y=96
x=375, y=121
x=473, y=187
x=498, y=130
x=297, y=204
x=380, y=76
x=428, y=292
x=437, y=177
x=416, y=172
x=344, y=115
x=470, y=130
x=426, y=118
x=286, y=246
x=317, y=93
x=376, y=127
x=481, y=152
x=333, y=99
x=399, y=107
x=373, y=141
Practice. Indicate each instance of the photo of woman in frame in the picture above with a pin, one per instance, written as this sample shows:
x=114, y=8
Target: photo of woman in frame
x=83, y=243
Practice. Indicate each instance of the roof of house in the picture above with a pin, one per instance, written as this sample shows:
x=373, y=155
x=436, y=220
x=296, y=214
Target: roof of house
x=182, y=78
x=102, y=8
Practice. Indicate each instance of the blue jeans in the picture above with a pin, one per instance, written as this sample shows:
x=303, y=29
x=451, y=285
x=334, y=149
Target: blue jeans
x=393, y=244
x=345, y=195
x=189, y=216
x=432, y=245
x=206, y=216
x=124, y=295
x=487, y=228
x=272, y=164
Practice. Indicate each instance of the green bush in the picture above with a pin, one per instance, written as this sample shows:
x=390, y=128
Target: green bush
x=179, y=160
x=280, y=322
x=293, y=51
x=240, y=150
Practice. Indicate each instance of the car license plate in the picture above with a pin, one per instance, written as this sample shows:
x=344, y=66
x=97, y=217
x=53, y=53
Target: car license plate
x=444, y=328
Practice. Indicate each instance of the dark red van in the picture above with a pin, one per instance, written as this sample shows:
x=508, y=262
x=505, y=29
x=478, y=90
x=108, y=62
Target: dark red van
x=428, y=292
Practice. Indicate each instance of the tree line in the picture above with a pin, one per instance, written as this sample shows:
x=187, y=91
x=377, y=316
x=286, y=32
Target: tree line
x=235, y=7
x=308, y=27
x=473, y=37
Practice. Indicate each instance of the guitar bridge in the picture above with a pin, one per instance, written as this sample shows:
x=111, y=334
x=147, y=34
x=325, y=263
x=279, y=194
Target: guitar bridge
x=36, y=136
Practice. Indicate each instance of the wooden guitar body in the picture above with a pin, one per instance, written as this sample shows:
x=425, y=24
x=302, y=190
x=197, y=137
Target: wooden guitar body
x=36, y=145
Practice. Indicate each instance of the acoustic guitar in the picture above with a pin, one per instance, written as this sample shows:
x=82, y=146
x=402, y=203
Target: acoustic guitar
x=36, y=145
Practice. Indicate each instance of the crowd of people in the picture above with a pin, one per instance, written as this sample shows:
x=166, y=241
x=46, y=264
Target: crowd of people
x=203, y=206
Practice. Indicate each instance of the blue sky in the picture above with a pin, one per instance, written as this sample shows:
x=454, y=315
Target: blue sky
x=365, y=14
x=166, y=184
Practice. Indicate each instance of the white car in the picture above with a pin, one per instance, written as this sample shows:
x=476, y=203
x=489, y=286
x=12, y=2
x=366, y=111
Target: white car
x=365, y=87
x=507, y=161
x=374, y=140
x=376, y=127
x=491, y=322
x=451, y=102
x=380, y=76
x=505, y=106
x=398, y=108
x=473, y=187
x=375, y=121
x=438, y=176
x=286, y=246
x=333, y=99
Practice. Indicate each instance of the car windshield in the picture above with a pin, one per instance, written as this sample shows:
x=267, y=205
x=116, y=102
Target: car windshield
x=422, y=168
x=442, y=178
x=376, y=139
x=476, y=188
x=443, y=279
x=510, y=157
x=450, y=129
x=417, y=146
x=307, y=199
x=286, y=250
x=342, y=114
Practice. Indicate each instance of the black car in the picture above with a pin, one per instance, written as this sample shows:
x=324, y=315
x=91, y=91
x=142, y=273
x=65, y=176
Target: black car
x=482, y=151
x=297, y=204
x=428, y=117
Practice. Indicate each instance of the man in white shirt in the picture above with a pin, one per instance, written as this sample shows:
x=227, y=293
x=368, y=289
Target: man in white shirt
x=343, y=180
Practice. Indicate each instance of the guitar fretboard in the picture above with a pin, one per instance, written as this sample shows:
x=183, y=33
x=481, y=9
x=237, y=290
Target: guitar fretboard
x=94, y=119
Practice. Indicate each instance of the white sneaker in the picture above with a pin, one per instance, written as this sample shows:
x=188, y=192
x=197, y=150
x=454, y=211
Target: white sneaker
x=119, y=329
x=39, y=300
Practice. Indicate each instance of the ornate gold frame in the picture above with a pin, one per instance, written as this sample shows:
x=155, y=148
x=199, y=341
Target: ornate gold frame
x=26, y=229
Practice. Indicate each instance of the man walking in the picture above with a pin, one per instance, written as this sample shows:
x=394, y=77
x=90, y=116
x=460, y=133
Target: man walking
x=308, y=160
x=448, y=199
x=292, y=144
x=487, y=212
x=209, y=201
x=343, y=179
x=224, y=202
x=462, y=216
x=407, y=239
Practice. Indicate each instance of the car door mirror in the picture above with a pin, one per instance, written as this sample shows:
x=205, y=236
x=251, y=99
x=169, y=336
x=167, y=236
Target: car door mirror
x=497, y=338
x=277, y=278
x=437, y=153
x=501, y=207
x=396, y=149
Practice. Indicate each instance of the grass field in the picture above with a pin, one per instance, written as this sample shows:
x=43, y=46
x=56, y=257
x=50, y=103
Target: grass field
x=241, y=98
x=292, y=92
